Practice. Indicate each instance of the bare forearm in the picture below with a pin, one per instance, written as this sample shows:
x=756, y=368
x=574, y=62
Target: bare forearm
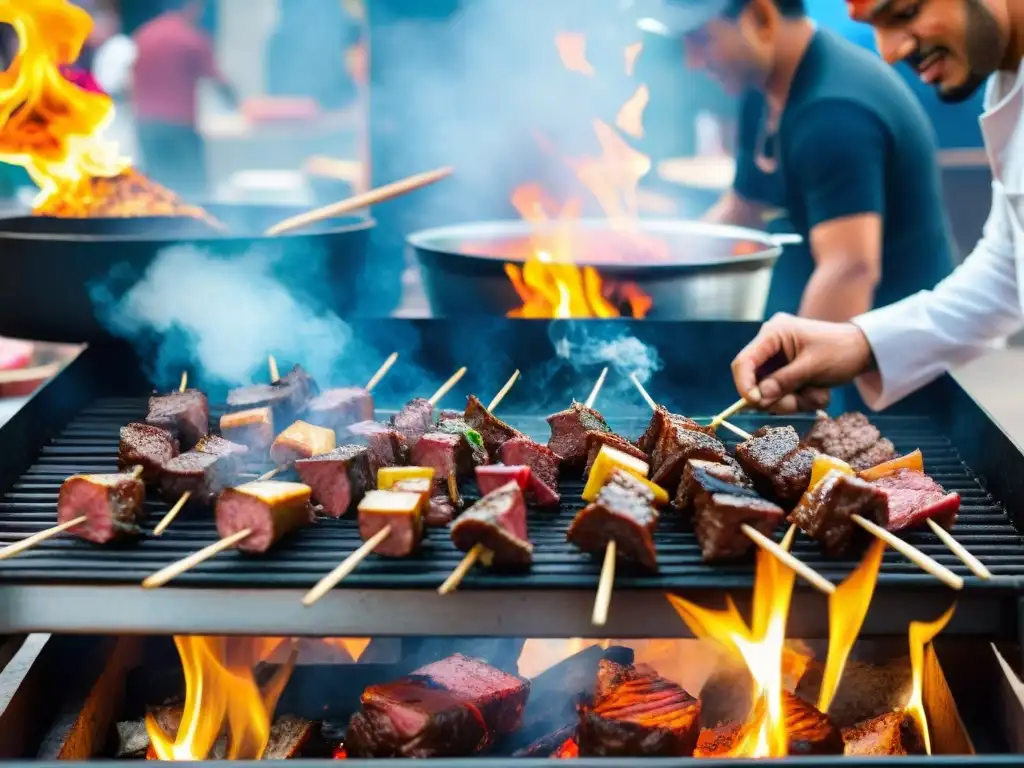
x=839, y=292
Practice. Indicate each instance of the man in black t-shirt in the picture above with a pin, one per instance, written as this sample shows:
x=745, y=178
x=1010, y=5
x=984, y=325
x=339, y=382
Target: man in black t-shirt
x=830, y=135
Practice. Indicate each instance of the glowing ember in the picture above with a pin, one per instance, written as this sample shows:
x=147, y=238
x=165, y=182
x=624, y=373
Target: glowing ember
x=52, y=127
x=921, y=635
x=568, y=751
x=340, y=754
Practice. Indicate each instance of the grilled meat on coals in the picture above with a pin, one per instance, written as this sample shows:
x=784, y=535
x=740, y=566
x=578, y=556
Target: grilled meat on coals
x=597, y=440
x=493, y=430
x=569, y=430
x=112, y=504
x=891, y=733
x=388, y=447
x=456, y=425
x=414, y=420
x=253, y=428
x=624, y=512
x=340, y=408
x=271, y=509
x=544, y=469
x=824, y=512
x=204, y=471
x=914, y=498
x=851, y=438
x=777, y=463
x=301, y=440
x=637, y=713
x=498, y=523
x=146, y=446
x=338, y=479
x=186, y=415
x=810, y=732
x=287, y=397
x=399, y=510
x=454, y=707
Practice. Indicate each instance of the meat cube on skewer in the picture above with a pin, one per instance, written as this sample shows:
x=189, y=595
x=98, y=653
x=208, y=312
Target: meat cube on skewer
x=637, y=713
x=146, y=446
x=624, y=513
x=493, y=430
x=913, y=498
x=569, y=430
x=338, y=479
x=253, y=428
x=186, y=415
x=112, y=504
x=493, y=477
x=301, y=441
x=852, y=438
x=414, y=420
x=204, y=471
x=608, y=462
x=402, y=511
x=446, y=454
x=678, y=444
x=544, y=469
x=498, y=523
x=597, y=440
x=340, y=408
x=458, y=426
x=287, y=397
x=694, y=480
x=270, y=508
x=438, y=510
x=777, y=463
x=388, y=446
x=454, y=707
x=824, y=512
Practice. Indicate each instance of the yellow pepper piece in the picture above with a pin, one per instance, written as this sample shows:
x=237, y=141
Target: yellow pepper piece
x=912, y=461
x=607, y=461
x=388, y=476
x=825, y=464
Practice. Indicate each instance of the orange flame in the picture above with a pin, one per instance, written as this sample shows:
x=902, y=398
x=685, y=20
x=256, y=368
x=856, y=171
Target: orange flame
x=572, y=50
x=921, y=635
x=632, y=56
x=630, y=119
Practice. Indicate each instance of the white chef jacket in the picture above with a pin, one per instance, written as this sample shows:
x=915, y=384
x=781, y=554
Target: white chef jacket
x=918, y=339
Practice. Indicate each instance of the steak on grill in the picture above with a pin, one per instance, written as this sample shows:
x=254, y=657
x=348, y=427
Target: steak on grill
x=337, y=479
x=851, y=438
x=493, y=430
x=271, y=509
x=498, y=523
x=810, y=732
x=693, y=477
x=112, y=504
x=777, y=463
x=914, y=498
x=678, y=445
x=414, y=420
x=623, y=512
x=597, y=440
x=451, y=708
x=456, y=425
x=186, y=415
x=146, y=446
x=824, y=512
x=253, y=428
x=569, y=430
x=637, y=713
x=287, y=397
x=388, y=446
x=401, y=511
x=339, y=408
x=204, y=471
x=891, y=733
x=544, y=469
x=445, y=453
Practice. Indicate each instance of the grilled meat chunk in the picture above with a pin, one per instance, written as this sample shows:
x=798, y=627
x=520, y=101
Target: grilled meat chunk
x=544, y=469
x=694, y=476
x=112, y=505
x=810, y=732
x=824, y=512
x=597, y=440
x=340, y=408
x=271, y=509
x=253, y=428
x=287, y=397
x=569, y=430
x=493, y=430
x=446, y=454
x=679, y=444
x=146, y=446
x=414, y=420
x=498, y=522
x=851, y=438
x=186, y=415
x=204, y=471
x=388, y=446
x=891, y=733
x=914, y=498
x=779, y=466
x=451, y=708
x=337, y=479
x=623, y=512
x=399, y=510
x=301, y=440
x=438, y=510
x=458, y=426
x=492, y=477
x=637, y=713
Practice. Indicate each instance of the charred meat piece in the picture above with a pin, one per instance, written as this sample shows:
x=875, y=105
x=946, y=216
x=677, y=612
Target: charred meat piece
x=637, y=713
x=678, y=445
x=414, y=420
x=112, y=505
x=694, y=479
x=824, y=512
x=810, y=731
x=623, y=512
x=287, y=397
x=186, y=415
x=891, y=733
x=544, y=469
x=720, y=509
x=879, y=453
x=569, y=430
x=253, y=428
x=388, y=446
x=451, y=708
x=146, y=446
x=340, y=408
x=338, y=479
x=445, y=454
x=851, y=438
x=302, y=441
x=399, y=510
x=597, y=440
x=204, y=471
x=777, y=463
x=914, y=498
x=493, y=430
x=271, y=509
x=475, y=441
x=498, y=522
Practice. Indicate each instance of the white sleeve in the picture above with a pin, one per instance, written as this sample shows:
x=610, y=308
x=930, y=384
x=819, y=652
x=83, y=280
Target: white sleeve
x=918, y=339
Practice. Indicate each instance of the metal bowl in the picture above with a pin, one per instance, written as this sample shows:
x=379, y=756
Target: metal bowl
x=700, y=278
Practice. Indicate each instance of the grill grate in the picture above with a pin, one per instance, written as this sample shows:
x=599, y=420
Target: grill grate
x=89, y=444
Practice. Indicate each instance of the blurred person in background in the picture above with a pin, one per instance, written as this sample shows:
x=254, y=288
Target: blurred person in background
x=173, y=56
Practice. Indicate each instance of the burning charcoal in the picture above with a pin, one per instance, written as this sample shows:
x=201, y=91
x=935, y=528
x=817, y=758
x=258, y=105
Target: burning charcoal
x=494, y=431
x=414, y=420
x=253, y=428
x=340, y=408
x=451, y=708
x=112, y=505
x=777, y=463
x=569, y=430
x=637, y=713
x=301, y=441
x=597, y=440
x=678, y=445
x=475, y=441
x=403, y=512
x=493, y=477
x=810, y=732
x=498, y=523
x=698, y=472
x=338, y=479
x=851, y=438
x=824, y=512
x=388, y=446
x=186, y=415
x=148, y=447
x=889, y=734
x=445, y=454
x=721, y=510
x=543, y=464
x=624, y=513
x=913, y=498
x=204, y=471
x=270, y=508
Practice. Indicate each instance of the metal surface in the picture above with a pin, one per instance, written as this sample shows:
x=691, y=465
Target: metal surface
x=700, y=279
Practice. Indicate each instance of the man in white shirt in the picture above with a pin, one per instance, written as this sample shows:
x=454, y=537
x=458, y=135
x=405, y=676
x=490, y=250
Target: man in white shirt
x=955, y=45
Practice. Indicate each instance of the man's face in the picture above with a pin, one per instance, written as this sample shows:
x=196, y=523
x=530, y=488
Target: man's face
x=953, y=44
x=734, y=51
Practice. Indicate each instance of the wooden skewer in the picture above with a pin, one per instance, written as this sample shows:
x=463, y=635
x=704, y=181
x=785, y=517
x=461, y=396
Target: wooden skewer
x=174, y=570
x=274, y=375
x=374, y=196
x=728, y=413
x=332, y=579
x=172, y=513
x=37, y=538
x=597, y=389
x=272, y=473
x=914, y=555
x=974, y=564
x=604, y=589
x=743, y=435
x=643, y=392
x=445, y=388
x=821, y=414
x=783, y=555
x=456, y=577
x=381, y=372
x=504, y=391
x=184, y=381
